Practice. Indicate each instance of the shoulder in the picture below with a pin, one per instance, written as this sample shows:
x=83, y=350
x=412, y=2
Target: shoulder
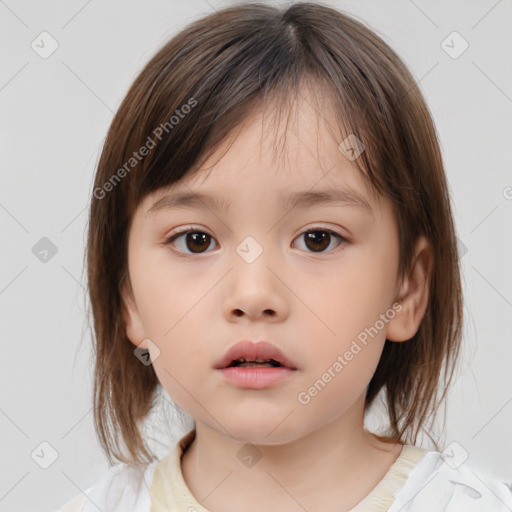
x=75, y=505
x=442, y=483
x=122, y=488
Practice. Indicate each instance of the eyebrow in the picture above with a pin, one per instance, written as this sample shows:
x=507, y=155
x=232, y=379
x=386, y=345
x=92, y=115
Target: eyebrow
x=301, y=200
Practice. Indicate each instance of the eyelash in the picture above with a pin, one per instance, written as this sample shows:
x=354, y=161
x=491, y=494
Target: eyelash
x=169, y=240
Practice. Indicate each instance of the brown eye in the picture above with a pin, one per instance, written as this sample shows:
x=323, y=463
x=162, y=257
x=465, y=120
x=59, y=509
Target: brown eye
x=318, y=240
x=190, y=241
x=197, y=241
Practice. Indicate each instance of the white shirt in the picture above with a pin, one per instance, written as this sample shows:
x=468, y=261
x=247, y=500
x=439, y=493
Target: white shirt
x=418, y=481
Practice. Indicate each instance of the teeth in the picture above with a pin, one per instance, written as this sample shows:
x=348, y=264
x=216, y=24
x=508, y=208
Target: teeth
x=243, y=362
x=254, y=365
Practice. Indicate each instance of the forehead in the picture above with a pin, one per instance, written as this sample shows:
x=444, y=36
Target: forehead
x=292, y=155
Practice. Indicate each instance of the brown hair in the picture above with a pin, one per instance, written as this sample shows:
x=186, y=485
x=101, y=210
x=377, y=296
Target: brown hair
x=196, y=89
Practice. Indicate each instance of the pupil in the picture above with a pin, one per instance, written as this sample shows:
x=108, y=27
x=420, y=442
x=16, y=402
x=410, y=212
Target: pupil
x=318, y=237
x=201, y=239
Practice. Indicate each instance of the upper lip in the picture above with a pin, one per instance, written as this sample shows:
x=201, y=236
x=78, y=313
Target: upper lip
x=252, y=351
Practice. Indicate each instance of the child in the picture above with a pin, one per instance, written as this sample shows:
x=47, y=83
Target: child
x=325, y=275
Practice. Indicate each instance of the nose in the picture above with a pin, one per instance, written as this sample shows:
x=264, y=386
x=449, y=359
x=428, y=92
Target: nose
x=256, y=291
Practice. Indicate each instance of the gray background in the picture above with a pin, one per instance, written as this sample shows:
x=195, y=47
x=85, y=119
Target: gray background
x=54, y=115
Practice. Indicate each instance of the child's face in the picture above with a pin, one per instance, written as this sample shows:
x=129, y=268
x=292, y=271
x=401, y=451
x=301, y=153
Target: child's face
x=312, y=299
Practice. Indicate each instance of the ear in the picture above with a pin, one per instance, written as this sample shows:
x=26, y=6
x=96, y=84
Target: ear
x=132, y=320
x=413, y=295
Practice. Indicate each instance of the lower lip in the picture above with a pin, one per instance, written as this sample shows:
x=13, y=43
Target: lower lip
x=256, y=378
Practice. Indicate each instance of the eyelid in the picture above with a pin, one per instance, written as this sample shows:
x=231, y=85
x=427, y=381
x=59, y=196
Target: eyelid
x=168, y=239
x=185, y=229
x=322, y=228
x=191, y=227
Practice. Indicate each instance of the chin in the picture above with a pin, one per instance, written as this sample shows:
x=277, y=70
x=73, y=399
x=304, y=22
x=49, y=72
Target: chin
x=263, y=429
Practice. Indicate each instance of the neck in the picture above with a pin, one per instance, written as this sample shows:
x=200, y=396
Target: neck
x=335, y=466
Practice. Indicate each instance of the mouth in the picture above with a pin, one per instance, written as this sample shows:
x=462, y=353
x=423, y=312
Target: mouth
x=255, y=366
x=247, y=354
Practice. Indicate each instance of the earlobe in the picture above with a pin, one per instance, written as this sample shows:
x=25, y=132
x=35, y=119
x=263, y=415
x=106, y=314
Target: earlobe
x=413, y=295
x=132, y=320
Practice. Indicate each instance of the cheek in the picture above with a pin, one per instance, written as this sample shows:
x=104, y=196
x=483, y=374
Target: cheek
x=182, y=363
x=347, y=327
x=165, y=291
x=171, y=304
x=339, y=374
x=344, y=299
